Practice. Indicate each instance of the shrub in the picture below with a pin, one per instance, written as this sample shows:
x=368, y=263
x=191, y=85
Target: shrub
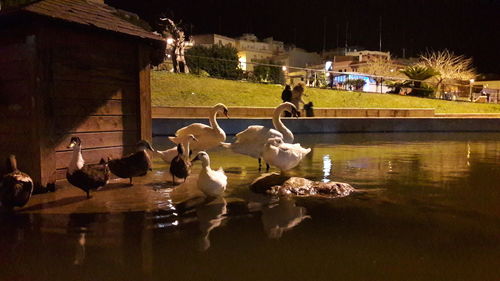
x=216, y=60
x=357, y=84
x=266, y=73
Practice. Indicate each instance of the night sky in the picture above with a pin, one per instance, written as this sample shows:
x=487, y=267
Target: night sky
x=463, y=26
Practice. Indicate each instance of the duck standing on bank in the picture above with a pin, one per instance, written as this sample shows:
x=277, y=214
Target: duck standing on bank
x=136, y=164
x=283, y=155
x=180, y=166
x=252, y=140
x=208, y=136
x=212, y=183
x=16, y=187
x=86, y=177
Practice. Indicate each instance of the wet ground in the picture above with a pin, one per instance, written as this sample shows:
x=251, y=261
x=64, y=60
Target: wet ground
x=428, y=208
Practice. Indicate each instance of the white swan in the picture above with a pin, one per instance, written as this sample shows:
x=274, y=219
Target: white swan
x=169, y=154
x=208, y=136
x=285, y=156
x=252, y=140
x=212, y=183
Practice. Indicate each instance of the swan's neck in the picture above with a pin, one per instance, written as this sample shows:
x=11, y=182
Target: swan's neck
x=287, y=134
x=185, y=155
x=76, y=160
x=213, y=121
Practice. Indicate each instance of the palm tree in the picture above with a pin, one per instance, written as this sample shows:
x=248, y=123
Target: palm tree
x=419, y=73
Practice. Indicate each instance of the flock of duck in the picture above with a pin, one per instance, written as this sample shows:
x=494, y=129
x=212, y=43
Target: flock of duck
x=274, y=145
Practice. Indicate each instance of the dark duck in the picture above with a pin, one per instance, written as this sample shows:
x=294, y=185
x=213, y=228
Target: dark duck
x=180, y=165
x=86, y=177
x=136, y=164
x=16, y=187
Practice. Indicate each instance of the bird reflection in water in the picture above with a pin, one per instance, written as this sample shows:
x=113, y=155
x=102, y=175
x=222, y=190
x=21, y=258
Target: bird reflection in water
x=80, y=249
x=210, y=216
x=282, y=216
x=210, y=211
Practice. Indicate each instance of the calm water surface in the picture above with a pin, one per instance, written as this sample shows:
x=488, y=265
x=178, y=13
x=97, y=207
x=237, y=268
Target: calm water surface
x=428, y=209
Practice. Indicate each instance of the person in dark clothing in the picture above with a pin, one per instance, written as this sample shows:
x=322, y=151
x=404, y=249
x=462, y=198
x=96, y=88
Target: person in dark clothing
x=286, y=96
x=308, y=107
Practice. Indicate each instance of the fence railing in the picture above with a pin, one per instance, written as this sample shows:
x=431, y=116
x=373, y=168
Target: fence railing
x=255, y=71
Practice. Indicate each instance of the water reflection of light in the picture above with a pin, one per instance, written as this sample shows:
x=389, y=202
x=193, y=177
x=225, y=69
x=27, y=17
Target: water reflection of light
x=468, y=154
x=327, y=168
x=165, y=225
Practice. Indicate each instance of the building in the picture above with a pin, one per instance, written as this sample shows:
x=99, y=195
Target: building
x=208, y=40
x=352, y=58
x=300, y=58
x=66, y=71
x=251, y=50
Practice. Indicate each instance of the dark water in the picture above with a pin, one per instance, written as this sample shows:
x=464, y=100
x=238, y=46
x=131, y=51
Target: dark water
x=428, y=209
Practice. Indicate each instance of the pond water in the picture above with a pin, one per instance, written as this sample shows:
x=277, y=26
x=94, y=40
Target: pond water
x=428, y=208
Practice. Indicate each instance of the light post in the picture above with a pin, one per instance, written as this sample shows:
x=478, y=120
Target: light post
x=285, y=73
x=470, y=88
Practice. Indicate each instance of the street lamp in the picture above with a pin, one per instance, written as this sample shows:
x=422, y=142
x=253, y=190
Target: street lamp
x=170, y=41
x=470, y=88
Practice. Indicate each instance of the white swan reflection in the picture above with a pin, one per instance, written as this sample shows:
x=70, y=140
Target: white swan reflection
x=210, y=212
x=281, y=217
x=210, y=216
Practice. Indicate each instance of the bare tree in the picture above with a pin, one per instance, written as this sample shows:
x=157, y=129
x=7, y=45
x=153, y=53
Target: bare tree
x=451, y=67
x=380, y=67
x=177, y=47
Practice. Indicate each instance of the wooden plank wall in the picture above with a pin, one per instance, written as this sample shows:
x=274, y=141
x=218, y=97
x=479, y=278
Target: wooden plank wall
x=94, y=94
x=17, y=82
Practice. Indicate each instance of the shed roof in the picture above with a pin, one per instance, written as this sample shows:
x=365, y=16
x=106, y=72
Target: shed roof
x=91, y=13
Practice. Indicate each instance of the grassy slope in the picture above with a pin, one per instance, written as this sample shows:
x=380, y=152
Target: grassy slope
x=186, y=90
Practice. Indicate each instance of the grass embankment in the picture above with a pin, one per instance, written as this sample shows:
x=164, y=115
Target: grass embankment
x=188, y=90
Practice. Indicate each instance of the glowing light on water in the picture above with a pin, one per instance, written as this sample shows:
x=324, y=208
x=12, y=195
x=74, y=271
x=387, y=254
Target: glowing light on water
x=468, y=154
x=327, y=168
x=165, y=225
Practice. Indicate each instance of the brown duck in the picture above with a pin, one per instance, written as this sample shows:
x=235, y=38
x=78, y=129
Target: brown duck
x=16, y=187
x=136, y=164
x=180, y=165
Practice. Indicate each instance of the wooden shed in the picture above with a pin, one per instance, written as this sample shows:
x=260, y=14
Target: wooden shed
x=73, y=67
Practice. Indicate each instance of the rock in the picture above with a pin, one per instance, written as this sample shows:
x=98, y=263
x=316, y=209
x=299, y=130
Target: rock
x=266, y=181
x=276, y=184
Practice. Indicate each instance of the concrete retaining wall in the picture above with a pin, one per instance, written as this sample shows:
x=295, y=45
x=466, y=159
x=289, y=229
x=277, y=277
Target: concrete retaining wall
x=168, y=126
x=203, y=111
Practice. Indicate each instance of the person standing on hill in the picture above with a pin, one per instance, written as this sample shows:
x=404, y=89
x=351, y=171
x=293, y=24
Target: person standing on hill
x=297, y=93
x=286, y=96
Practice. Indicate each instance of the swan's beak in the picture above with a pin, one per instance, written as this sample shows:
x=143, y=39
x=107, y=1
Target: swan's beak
x=195, y=159
x=195, y=139
x=71, y=144
x=295, y=113
x=226, y=113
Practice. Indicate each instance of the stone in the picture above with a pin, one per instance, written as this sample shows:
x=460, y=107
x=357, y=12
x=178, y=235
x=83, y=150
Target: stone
x=281, y=185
